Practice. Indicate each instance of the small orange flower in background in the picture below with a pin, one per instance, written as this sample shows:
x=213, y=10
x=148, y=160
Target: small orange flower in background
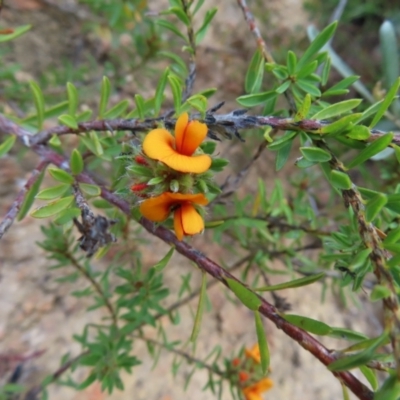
x=177, y=152
x=253, y=353
x=187, y=221
x=253, y=392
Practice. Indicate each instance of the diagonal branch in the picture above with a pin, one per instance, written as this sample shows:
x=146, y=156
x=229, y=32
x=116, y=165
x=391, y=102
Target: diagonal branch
x=303, y=338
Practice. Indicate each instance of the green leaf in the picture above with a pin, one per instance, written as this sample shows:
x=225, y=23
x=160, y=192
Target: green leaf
x=104, y=96
x=303, y=163
x=53, y=192
x=164, y=261
x=308, y=324
x=198, y=102
x=315, y=154
x=337, y=109
x=17, y=32
x=39, y=103
x=386, y=103
x=262, y=343
x=303, y=110
x=252, y=100
x=356, y=360
x=72, y=95
x=326, y=70
x=393, y=236
x=76, y=162
x=68, y=120
x=172, y=27
x=308, y=87
x=159, y=96
x=61, y=175
x=200, y=308
x=179, y=66
x=340, y=180
x=390, y=390
x=199, y=35
x=283, y=155
x=370, y=375
x=292, y=284
x=396, y=152
x=282, y=141
x=316, y=45
x=176, y=88
x=347, y=334
x=283, y=87
x=291, y=62
x=7, y=145
x=247, y=297
x=374, y=206
x=359, y=132
x=380, y=292
x=52, y=208
x=94, y=139
x=179, y=13
x=306, y=72
x=67, y=216
x=255, y=73
x=218, y=164
x=372, y=149
x=30, y=197
x=341, y=87
x=90, y=190
x=342, y=124
x=116, y=111
x=139, y=101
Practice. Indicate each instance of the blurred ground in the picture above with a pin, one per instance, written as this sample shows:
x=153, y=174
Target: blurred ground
x=38, y=314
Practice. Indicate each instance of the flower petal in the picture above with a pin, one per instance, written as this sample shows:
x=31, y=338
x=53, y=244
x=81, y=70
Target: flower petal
x=196, y=198
x=188, y=164
x=263, y=385
x=254, y=353
x=178, y=227
x=192, y=222
x=157, y=208
x=250, y=394
x=195, y=133
x=180, y=127
x=158, y=144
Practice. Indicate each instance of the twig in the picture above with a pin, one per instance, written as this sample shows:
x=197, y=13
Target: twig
x=34, y=392
x=263, y=46
x=189, y=82
x=226, y=124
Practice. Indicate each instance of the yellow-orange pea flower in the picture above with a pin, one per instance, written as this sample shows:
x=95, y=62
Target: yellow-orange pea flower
x=253, y=353
x=187, y=221
x=177, y=152
x=253, y=392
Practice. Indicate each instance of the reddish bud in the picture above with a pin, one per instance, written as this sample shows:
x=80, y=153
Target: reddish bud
x=138, y=187
x=243, y=376
x=235, y=362
x=6, y=31
x=141, y=160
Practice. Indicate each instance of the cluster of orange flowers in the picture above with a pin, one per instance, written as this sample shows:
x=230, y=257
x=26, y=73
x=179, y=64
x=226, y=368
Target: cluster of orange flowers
x=251, y=389
x=180, y=159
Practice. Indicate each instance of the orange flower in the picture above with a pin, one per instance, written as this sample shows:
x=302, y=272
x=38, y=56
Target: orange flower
x=253, y=353
x=177, y=152
x=253, y=392
x=187, y=221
